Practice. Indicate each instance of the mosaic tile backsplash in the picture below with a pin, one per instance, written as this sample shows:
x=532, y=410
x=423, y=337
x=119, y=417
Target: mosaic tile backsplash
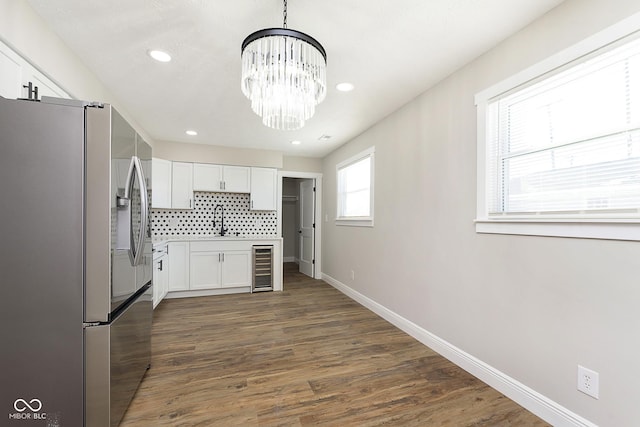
x=238, y=219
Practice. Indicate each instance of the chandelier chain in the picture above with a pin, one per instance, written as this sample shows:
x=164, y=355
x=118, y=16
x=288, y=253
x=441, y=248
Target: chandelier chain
x=284, y=14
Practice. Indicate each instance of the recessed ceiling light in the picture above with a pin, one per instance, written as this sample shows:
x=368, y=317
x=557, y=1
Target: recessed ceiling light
x=324, y=137
x=345, y=87
x=159, y=55
x=191, y=132
x=296, y=142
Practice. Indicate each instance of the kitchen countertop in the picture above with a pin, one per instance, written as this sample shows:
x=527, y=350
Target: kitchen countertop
x=159, y=241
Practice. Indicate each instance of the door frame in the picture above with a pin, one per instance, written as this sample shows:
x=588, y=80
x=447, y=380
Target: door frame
x=318, y=213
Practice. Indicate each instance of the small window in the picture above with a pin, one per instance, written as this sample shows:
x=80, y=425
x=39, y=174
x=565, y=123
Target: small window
x=355, y=190
x=563, y=146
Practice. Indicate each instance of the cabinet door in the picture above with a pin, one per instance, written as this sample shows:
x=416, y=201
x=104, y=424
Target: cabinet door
x=205, y=270
x=160, y=279
x=236, y=179
x=182, y=185
x=161, y=184
x=156, y=279
x=164, y=276
x=263, y=189
x=45, y=86
x=236, y=269
x=178, y=266
x=10, y=73
x=207, y=177
x=16, y=72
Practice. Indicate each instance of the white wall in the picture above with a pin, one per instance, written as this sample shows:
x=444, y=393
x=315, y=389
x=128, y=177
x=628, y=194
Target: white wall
x=24, y=31
x=205, y=153
x=531, y=307
x=301, y=164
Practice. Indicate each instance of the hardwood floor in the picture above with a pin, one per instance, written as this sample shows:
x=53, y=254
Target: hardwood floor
x=306, y=356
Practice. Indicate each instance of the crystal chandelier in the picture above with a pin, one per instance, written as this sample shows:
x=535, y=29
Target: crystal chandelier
x=284, y=75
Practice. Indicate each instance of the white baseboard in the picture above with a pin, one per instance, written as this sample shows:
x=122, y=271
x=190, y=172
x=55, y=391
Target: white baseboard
x=289, y=259
x=208, y=292
x=530, y=399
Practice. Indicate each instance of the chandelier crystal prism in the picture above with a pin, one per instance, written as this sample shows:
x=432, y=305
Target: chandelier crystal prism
x=284, y=74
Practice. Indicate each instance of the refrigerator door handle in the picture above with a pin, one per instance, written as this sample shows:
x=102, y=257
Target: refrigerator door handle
x=135, y=172
x=145, y=225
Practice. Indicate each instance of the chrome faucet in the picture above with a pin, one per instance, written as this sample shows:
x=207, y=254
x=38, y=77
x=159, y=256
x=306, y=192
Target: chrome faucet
x=223, y=230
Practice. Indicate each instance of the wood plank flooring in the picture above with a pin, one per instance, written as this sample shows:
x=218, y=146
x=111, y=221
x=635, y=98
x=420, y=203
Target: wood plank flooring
x=306, y=356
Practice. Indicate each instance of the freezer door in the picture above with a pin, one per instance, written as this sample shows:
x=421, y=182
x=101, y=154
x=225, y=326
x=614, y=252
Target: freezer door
x=116, y=358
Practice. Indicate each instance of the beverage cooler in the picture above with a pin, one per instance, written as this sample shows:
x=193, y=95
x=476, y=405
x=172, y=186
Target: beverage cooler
x=262, y=268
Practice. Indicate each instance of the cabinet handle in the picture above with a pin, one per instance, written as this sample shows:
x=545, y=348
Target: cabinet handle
x=32, y=91
x=222, y=257
x=189, y=203
x=160, y=267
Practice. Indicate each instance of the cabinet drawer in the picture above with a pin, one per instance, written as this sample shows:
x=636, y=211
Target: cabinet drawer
x=220, y=245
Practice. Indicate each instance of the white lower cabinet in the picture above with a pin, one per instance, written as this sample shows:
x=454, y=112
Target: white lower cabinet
x=220, y=269
x=178, y=266
x=236, y=269
x=160, y=278
x=216, y=267
x=206, y=270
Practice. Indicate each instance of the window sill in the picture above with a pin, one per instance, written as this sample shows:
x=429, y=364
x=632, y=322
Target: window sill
x=355, y=222
x=589, y=229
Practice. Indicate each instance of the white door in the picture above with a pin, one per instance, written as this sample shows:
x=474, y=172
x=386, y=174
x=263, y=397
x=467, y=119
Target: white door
x=307, y=227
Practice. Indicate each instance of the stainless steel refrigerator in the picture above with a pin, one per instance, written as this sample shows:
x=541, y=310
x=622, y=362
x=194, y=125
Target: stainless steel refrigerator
x=75, y=263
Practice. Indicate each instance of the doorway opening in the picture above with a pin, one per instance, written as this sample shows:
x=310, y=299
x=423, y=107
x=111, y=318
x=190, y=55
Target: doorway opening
x=299, y=222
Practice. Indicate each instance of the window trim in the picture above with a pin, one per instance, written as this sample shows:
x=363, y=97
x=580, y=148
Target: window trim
x=579, y=227
x=360, y=221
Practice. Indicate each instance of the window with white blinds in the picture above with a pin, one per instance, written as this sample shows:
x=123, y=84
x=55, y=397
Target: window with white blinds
x=569, y=144
x=355, y=189
x=559, y=142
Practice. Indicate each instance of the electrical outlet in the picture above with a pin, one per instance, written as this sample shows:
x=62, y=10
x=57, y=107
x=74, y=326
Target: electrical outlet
x=588, y=382
x=353, y=275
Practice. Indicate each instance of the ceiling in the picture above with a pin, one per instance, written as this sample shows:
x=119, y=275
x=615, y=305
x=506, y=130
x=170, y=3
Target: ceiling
x=391, y=50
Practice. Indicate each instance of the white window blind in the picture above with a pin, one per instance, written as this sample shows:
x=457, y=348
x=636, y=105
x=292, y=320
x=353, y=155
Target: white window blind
x=569, y=144
x=355, y=187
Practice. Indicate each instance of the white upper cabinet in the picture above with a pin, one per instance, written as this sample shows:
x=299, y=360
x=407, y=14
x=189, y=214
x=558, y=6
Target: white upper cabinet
x=16, y=73
x=161, y=184
x=10, y=73
x=263, y=189
x=207, y=177
x=236, y=179
x=218, y=178
x=182, y=185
